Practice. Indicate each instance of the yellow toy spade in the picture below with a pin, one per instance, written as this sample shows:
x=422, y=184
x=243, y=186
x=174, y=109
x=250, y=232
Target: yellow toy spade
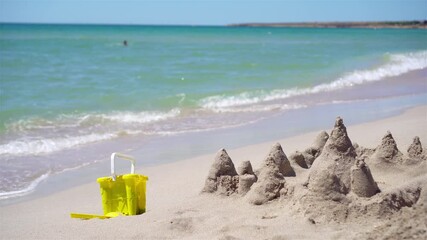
x=121, y=195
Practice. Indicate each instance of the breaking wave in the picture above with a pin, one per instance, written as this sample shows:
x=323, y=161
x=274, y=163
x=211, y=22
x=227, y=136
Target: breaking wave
x=259, y=108
x=65, y=121
x=68, y=131
x=397, y=64
x=49, y=145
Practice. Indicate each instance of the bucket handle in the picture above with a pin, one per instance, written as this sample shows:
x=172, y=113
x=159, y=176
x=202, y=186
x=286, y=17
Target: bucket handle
x=122, y=156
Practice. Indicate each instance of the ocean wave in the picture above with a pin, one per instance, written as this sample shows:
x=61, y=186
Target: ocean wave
x=397, y=64
x=25, y=191
x=89, y=128
x=67, y=121
x=49, y=145
x=198, y=130
x=258, y=108
x=131, y=117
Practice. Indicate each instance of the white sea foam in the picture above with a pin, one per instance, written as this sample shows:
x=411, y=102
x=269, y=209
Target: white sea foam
x=75, y=123
x=177, y=132
x=131, y=117
x=398, y=64
x=257, y=108
x=37, y=123
x=67, y=121
x=25, y=191
x=49, y=145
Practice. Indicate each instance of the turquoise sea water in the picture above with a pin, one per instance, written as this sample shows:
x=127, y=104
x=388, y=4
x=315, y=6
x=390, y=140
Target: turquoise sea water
x=67, y=86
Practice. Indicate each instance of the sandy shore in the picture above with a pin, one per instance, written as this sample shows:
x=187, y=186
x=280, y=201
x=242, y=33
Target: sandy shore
x=176, y=209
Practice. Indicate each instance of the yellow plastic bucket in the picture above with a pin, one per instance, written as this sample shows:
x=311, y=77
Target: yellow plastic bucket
x=123, y=194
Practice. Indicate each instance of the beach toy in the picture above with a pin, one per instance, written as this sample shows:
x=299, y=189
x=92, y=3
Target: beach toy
x=122, y=194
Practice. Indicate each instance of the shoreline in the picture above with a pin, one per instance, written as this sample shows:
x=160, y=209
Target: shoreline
x=358, y=104
x=188, y=145
x=69, y=142
x=173, y=195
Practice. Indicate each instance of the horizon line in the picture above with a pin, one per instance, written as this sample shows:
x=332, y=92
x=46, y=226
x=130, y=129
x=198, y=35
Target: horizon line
x=115, y=24
x=214, y=25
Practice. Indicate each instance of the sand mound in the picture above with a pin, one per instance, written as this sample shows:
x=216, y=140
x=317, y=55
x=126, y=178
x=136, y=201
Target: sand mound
x=397, y=198
x=415, y=150
x=316, y=148
x=247, y=177
x=344, y=208
x=409, y=223
x=270, y=182
x=362, y=182
x=281, y=160
x=311, y=153
x=271, y=177
x=330, y=173
x=387, y=151
x=222, y=177
x=307, y=157
x=320, y=141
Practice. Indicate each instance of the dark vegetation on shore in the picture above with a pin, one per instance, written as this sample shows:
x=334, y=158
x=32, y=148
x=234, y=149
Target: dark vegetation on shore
x=387, y=24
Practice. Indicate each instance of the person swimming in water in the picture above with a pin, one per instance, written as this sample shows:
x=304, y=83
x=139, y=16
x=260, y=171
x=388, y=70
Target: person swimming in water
x=125, y=43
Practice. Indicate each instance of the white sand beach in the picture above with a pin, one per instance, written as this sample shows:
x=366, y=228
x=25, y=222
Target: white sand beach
x=176, y=209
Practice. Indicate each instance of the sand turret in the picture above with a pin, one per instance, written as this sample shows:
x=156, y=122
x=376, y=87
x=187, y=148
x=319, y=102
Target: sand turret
x=247, y=177
x=270, y=182
x=387, y=151
x=281, y=160
x=331, y=171
x=320, y=141
x=311, y=153
x=362, y=182
x=245, y=168
x=222, y=176
x=338, y=141
x=306, y=158
x=415, y=150
x=271, y=177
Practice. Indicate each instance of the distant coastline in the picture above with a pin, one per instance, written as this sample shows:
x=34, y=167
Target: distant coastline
x=387, y=24
x=373, y=25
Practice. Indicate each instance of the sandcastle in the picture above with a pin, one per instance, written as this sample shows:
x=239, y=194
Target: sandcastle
x=337, y=172
x=271, y=178
x=247, y=177
x=415, y=150
x=306, y=158
x=222, y=176
x=362, y=182
x=330, y=172
x=266, y=185
x=387, y=151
